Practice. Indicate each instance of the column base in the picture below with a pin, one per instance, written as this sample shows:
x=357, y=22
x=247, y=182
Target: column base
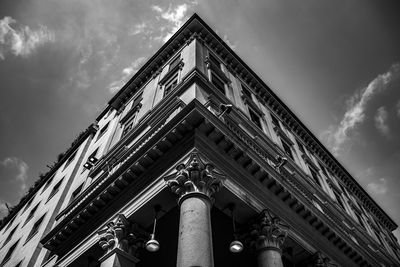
x=118, y=258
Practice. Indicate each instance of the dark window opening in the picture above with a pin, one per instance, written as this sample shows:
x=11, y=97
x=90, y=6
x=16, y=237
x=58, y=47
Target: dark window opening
x=10, y=235
x=9, y=253
x=255, y=118
x=246, y=92
x=171, y=83
x=55, y=189
x=28, y=204
x=35, y=228
x=102, y=131
x=70, y=159
x=32, y=213
x=287, y=149
x=215, y=60
x=315, y=176
x=174, y=62
x=301, y=147
x=339, y=199
x=76, y=193
x=323, y=169
x=218, y=83
x=127, y=128
x=48, y=182
x=275, y=121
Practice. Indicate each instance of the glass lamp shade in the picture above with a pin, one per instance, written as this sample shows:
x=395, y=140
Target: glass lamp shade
x=152, y=245
x=236, y=246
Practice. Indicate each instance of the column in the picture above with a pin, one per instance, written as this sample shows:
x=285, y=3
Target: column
x=195, y=183
x=120, y=240
x=268, y=234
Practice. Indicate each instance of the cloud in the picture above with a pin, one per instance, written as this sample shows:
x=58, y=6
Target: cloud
x=229, y=43
x=381, y=121
x=380, y=187
x=175, y=17
x=139, y=28
x=126, y=74
x=398, y=108
x=21, y=168
x=336, y=135
x=21, y=41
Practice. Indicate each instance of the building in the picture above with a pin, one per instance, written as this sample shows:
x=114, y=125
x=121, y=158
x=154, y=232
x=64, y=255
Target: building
x=196, y=162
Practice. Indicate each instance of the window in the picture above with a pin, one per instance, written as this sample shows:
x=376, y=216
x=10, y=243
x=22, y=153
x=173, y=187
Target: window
x=19, y=263
x=314, y=175
x=323, y=169
x=70, y=159
x=127, y=128
x=28, y=204
x=174, y=62
x=214, y=60
x=171, y=83
x=218, y=83
x=9, y=253
x=48, y=182
x=359, y=218
x=35, y=228
x=102, y=131
x=10, y=235
x=287, y=149
x=275, y=121
x=76, y=193
x=31, y=213
x=301, y=147
x=255, y=118
x=55, y=189
x=246, y=92
x=10, y=222
x=339, y=199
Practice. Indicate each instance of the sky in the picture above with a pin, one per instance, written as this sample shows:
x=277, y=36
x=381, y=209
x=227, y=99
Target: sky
x=336, y=64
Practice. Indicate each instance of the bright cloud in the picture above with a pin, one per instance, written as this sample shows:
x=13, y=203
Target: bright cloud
x=379, y=187
x=126, y=74
x=21, y=41
x=355, y=113
x=21, y=168
x=228, y=42
x=381, y=120
x=175, y=17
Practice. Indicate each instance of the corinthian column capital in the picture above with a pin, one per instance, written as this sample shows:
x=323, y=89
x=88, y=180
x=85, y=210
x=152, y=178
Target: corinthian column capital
x=121, y=234
x=194, y=177
x=268, y=232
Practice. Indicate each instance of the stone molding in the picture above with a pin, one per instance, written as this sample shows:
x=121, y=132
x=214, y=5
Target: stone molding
x=195, y=177
x=268, y=232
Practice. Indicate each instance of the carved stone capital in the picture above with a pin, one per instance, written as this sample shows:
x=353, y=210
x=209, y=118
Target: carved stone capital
x=194, y=177
x=318, y=260
x=268, y=232
x=122, y=234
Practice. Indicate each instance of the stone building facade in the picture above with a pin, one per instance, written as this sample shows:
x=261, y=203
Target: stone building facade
x=196, y=162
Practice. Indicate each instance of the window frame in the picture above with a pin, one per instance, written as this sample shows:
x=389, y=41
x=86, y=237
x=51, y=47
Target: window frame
x=8, y=255
x=35, y=228
x=55, y=191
